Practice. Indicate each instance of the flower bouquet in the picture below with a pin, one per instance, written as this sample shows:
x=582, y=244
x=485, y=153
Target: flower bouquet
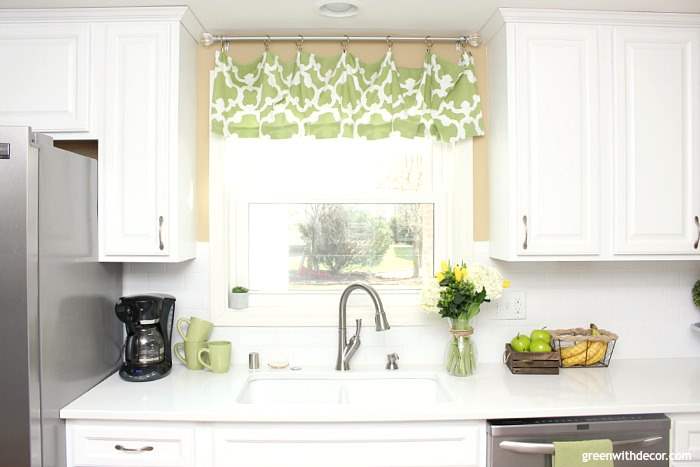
x=456, y=293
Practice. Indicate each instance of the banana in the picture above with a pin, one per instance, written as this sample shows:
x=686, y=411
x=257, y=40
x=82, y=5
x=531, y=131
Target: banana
x=568, y=352
x=584, y=353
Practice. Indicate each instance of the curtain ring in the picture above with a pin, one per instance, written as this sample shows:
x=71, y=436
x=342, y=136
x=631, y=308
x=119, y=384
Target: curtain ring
x=461, y=45
x=389, y=43
x=428, y=44
x=224, y=46
x=345, y=44
x=266, y=43
x=300, y=43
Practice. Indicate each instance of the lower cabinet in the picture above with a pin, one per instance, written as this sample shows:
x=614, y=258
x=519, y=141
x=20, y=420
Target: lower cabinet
x=685, y=439
x=395, y=444
x=112, y=444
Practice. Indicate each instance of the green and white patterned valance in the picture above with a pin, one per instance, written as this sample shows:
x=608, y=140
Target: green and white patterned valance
x=343, y=97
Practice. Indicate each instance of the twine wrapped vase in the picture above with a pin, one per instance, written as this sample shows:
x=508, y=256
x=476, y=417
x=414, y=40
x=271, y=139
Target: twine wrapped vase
x=460, y=359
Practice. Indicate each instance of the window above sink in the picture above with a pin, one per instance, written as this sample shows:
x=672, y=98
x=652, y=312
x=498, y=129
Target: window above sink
x=296, y=221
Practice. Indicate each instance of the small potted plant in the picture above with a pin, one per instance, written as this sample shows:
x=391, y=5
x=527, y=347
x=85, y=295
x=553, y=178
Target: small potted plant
x=238, y=298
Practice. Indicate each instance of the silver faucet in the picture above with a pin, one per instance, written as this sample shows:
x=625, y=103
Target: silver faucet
x=347, y=348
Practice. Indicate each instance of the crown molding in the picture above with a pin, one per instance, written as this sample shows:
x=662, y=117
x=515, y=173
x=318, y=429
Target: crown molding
x=592, y=17
x=181, y=14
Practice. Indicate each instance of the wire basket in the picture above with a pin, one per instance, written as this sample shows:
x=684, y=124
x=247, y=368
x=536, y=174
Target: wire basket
x=579, y=348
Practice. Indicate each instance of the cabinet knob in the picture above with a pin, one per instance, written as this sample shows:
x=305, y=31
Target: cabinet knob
x=160, y=233
x=525, y=241
x=119, y=447
x=697, y=224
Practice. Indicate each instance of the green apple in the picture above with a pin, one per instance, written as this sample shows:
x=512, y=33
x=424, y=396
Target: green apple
x=541, y=335
x=520, y=343
x=540, y=346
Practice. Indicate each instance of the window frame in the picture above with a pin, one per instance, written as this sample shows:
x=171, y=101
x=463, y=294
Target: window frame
x=453, y=220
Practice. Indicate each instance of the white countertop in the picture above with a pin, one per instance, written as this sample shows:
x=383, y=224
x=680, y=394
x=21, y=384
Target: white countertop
x=626, y=387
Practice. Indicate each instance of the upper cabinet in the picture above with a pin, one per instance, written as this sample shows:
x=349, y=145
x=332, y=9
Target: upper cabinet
x=594, y=132
x=45, y=80
x=147, y=163
x=125, y=77
x=656, y=86
x=557, y=96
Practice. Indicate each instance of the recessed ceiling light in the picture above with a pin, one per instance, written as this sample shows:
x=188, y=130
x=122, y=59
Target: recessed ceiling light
x=334, y=9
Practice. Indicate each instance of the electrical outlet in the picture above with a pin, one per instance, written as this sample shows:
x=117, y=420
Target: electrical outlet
x=511, y=306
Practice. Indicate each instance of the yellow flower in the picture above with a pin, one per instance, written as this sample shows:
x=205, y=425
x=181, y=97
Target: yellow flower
x=444, y=266
x=506, y=283
x=459, y=273
x=440, y=276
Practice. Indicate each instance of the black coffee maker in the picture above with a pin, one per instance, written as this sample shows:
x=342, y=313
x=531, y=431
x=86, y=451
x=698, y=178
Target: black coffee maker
x=149, y=331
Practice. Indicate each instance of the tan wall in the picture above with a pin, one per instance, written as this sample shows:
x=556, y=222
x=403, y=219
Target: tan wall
x=407, y=55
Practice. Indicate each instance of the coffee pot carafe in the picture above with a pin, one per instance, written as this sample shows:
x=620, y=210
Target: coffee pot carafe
x=145, y=347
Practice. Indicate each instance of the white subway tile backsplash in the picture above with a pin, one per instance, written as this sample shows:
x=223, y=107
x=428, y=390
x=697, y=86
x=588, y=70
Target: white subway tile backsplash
x=647, y=303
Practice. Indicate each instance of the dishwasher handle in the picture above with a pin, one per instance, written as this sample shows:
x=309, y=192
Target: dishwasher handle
x=548, y=448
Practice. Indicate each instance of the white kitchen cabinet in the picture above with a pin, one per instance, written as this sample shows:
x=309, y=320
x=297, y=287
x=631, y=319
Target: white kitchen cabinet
x=685, y=436
x=557, y=138
x=351, y=445
x=46, y=76
x=147, y=152
x=657, y=136
x=390, y=444
x=109, y=444
x=593, y=135
x=125, y=77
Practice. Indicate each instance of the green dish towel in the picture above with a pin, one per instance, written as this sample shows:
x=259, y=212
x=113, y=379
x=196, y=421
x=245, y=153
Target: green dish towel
x=574, y=453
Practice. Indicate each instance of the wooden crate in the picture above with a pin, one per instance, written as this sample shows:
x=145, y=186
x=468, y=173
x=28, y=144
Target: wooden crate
x=532, y=363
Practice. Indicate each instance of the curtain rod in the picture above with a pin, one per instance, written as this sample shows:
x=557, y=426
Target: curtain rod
x=473, y=39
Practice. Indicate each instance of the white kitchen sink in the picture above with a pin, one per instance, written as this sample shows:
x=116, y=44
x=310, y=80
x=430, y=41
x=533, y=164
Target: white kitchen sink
x=344, y=389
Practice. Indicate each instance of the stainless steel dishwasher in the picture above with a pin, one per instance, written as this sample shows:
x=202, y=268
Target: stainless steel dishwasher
x=528, y=442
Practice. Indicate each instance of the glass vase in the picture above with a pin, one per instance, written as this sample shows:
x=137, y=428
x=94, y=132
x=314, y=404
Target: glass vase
x=460, y=357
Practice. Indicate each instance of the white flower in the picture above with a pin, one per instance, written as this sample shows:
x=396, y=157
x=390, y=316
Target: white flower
x=488, y=279
x=430, y=295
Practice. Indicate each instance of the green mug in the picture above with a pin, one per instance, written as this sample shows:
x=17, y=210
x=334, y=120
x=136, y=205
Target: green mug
x=218, y=355
x=198, y=330
x=188, y=353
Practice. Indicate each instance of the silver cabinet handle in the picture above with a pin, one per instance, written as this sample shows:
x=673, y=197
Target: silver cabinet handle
x=119, y=447
x=697, y=224
x=160, y=233
x=525, y=224
x=548, y=448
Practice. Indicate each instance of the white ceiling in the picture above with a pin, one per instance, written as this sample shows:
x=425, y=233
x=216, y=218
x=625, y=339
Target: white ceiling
x=375, y=16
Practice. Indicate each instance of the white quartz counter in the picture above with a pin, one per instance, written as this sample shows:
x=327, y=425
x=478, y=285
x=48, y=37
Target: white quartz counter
x=628, y=386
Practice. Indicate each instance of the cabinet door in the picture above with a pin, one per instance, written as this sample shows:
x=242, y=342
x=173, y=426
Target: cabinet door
x=556, y=82
x=657, y=158
x=134, y=152
x=129, y=444
x=45, y=77
x=420, y=444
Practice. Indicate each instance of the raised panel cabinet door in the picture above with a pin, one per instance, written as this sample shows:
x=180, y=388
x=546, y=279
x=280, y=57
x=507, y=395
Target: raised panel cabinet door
x=134, y=166
x=656, y=83
x=557, y=140
x=45, y=77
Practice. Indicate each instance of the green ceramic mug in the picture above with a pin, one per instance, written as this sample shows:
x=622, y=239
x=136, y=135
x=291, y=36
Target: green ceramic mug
x=218, y=356
x=188, y=353
x=198, y=330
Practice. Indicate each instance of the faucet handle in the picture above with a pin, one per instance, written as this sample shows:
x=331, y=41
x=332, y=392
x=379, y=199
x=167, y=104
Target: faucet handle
x=391, y=361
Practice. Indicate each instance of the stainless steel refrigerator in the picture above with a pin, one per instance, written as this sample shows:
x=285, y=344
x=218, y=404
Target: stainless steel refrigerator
x=58, y=333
